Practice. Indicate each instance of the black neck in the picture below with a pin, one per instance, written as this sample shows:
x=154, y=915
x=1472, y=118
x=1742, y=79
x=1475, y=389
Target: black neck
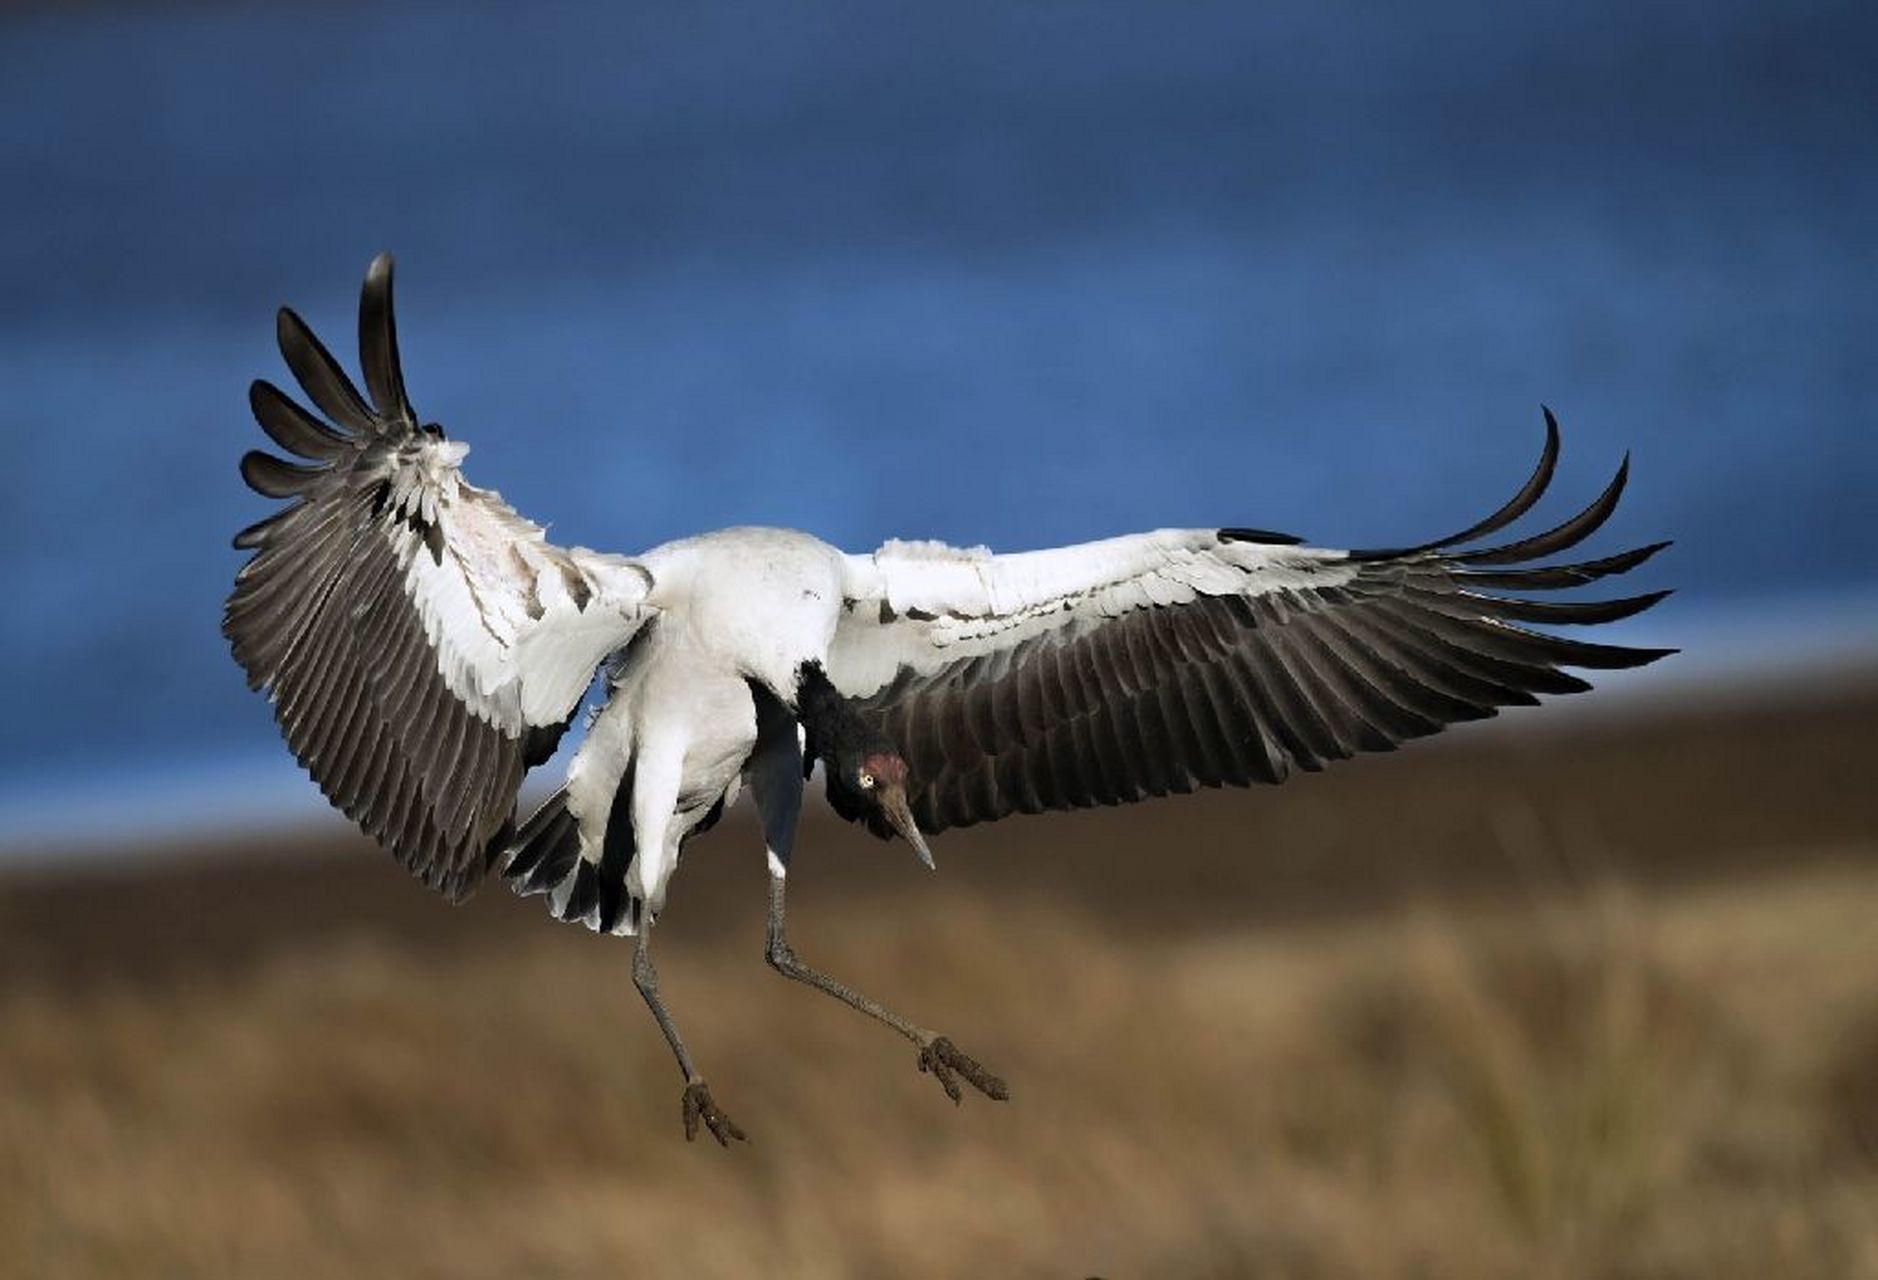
x=832, y=722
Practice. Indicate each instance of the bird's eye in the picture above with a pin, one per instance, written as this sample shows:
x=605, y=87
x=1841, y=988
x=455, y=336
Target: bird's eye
x=867, y=781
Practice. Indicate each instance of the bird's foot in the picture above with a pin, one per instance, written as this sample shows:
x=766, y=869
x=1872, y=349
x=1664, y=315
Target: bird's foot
x=699, y=1107
x=942, y=1058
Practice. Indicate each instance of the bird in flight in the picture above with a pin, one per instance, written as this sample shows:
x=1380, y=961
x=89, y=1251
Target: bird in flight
x=423, y=646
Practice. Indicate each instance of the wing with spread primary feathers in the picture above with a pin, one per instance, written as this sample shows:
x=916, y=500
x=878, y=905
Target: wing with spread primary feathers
x=1161, y=662
x=422, y=644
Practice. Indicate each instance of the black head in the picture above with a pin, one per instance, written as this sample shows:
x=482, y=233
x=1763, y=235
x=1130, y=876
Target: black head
x=867, y=777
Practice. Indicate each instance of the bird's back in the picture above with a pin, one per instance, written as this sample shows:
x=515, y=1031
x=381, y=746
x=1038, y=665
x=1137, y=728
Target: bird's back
x=760, y=601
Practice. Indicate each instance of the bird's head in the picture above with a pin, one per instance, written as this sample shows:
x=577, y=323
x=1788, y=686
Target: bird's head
x=868, y=782
x=866, y=774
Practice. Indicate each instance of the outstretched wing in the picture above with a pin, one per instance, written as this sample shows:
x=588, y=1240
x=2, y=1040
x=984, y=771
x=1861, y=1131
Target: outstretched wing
x=422, y=644
x=1161, y=662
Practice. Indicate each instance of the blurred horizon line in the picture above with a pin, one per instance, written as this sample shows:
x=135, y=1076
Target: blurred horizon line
x=1730, y=655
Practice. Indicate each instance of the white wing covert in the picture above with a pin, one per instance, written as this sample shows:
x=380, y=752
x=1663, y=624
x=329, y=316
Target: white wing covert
x=1112, y=671
x=422, y=644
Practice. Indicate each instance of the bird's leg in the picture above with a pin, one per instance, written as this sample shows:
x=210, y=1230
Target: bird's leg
x=697, y=1105
x=937, y=1054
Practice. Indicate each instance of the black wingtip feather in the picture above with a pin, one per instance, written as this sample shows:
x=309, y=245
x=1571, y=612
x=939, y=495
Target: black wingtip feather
x=1560, y=537
x=291, y=427
x=320, y=376
x=1589, y=656
x=252, y=537
x=273, y=477
x=1563, y=613
x=1265, y=537
x=378, y=345
x=1515, y=507
x=1553, y=577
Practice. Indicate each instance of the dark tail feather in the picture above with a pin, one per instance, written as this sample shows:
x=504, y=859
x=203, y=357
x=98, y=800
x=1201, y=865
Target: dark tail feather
x=544, y=856
x=545, y=849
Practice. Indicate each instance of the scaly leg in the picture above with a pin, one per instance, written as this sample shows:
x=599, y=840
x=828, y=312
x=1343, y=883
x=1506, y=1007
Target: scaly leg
x=697, y=1104
x=937, y=1054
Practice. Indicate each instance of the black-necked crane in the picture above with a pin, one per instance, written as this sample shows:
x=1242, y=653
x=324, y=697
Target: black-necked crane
x=424, y=646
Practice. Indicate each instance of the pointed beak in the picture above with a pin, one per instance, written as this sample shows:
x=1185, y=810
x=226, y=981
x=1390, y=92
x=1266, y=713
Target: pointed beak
x=893, y=805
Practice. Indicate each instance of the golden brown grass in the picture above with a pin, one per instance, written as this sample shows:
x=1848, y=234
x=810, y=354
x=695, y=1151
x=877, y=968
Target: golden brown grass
x=1590, y=1066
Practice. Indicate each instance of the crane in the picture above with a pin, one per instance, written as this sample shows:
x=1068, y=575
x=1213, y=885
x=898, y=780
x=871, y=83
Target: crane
x=423, y=646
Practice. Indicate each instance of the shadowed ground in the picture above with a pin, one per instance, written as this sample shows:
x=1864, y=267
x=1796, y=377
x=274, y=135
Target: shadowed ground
x=1598, y=997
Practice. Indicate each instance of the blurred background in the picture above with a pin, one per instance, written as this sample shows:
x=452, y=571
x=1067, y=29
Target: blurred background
x=1589, y=991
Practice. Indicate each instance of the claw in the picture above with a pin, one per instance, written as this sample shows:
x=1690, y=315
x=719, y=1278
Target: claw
x=699, y=1106
x=941, y=1070
x=944, y=1060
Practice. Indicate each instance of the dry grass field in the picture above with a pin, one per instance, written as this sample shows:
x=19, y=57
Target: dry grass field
x=1598, y=999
